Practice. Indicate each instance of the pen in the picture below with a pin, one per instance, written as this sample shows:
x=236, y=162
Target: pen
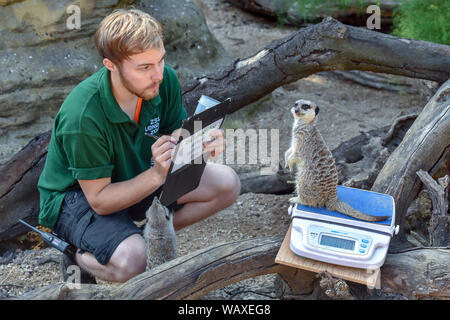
x=152, y=136
x=209, y=141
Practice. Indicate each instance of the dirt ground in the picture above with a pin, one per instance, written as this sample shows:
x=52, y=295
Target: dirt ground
x=346, y=110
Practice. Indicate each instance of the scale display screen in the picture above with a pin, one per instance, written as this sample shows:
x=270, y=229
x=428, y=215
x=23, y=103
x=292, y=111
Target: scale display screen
x=337, y=242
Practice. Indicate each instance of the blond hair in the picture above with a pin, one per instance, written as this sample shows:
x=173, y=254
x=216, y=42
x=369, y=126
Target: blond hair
x=127, y=32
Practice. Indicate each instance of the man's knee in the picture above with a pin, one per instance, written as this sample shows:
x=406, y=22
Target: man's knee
x=229, y=184
x=129, y=259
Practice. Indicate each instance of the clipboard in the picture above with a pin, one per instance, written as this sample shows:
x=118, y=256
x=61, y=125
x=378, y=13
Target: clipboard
x=189, y=162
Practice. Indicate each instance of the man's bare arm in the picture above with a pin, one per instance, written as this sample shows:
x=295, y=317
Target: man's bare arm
x=106, y=197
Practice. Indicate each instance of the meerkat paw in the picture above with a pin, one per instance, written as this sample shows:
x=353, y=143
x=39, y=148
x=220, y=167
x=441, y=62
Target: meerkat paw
x=287, y=166
x=291, y=164
x=287, y=155
x=294, y=200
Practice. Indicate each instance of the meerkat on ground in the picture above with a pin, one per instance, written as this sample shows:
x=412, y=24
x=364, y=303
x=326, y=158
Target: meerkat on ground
x=317, y=177
x=159, y=235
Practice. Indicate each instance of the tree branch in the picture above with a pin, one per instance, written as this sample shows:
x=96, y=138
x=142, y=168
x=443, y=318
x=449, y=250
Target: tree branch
x=329, y=45
x=422, y=147
x=414, y=274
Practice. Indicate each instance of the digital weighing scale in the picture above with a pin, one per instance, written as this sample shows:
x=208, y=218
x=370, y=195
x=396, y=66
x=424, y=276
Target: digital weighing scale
x=336, y=238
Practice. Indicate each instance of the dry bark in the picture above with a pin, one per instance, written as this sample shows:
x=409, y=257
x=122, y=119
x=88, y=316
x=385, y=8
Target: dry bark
x=421, y=149
x=420, y=273
x=370, y=80
x=438, y=230
x=19, y=197
x=289, y=13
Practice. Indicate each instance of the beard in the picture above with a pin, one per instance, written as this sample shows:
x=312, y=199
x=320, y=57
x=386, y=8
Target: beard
x=145, y=94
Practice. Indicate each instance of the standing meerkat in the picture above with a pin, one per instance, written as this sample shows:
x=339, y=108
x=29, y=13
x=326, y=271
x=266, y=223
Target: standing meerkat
x=317, y=178
x=159, y=235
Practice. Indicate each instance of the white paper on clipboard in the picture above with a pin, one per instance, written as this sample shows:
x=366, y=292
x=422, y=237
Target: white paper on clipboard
x=192, y=147
x=184, y=154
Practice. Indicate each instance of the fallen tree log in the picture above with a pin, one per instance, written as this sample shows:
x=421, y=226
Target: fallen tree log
x=414, y=274
x=19, y=197
x=329, y=45
x=423, y=146
x=278, y=183
x=380, y=82
x=289, y=12
x=418, y=273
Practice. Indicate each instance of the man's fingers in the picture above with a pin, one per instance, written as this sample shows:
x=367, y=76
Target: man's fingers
x=165, y=156
x=215, y=147
x=163, y=139
x=162, y=148
x=216, y=133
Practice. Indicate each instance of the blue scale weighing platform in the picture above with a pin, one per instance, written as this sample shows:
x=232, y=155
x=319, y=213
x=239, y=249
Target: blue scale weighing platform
x=336, y=238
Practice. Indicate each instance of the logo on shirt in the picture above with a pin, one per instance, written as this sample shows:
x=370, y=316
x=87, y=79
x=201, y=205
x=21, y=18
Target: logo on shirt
x=153, y=127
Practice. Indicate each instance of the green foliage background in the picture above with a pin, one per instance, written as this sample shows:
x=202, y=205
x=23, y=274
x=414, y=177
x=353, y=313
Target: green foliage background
x=415, y=19
x=423, y=19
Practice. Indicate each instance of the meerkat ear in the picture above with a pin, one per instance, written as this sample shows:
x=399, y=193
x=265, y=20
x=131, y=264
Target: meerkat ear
x=169, y=213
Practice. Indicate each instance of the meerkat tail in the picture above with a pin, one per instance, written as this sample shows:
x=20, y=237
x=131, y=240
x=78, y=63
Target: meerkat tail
x=342, y=207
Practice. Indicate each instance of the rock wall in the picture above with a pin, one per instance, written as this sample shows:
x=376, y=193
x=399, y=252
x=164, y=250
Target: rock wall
x=42, y=58
x=191, y=48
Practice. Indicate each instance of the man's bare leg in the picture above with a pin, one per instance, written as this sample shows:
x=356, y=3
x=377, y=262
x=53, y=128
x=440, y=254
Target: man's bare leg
x=218, y=189
x=128, y=260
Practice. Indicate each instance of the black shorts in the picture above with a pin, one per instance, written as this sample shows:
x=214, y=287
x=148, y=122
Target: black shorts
x=81, y=226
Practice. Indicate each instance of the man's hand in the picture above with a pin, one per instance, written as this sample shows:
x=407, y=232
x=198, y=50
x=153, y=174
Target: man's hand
x=162, y=152
x=106, y=197
x=216, y=143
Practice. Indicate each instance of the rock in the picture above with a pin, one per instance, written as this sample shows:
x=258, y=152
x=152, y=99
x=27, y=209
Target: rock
x=43, y=60
x=191, y=48
x=7, y=257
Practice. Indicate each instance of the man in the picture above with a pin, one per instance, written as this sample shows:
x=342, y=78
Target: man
x=103, y=166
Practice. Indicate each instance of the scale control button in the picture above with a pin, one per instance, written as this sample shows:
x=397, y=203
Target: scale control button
x=362, y=250
x=363, y=245
x=365, y=241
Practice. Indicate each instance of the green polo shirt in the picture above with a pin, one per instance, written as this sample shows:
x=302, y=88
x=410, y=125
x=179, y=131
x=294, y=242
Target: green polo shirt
x=93, y=138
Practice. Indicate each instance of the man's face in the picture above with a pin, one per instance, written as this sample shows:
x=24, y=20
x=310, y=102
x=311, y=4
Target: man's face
x=142, y=73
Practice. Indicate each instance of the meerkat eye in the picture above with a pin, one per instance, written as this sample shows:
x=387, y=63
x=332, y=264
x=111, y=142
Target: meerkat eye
x=305, y=107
